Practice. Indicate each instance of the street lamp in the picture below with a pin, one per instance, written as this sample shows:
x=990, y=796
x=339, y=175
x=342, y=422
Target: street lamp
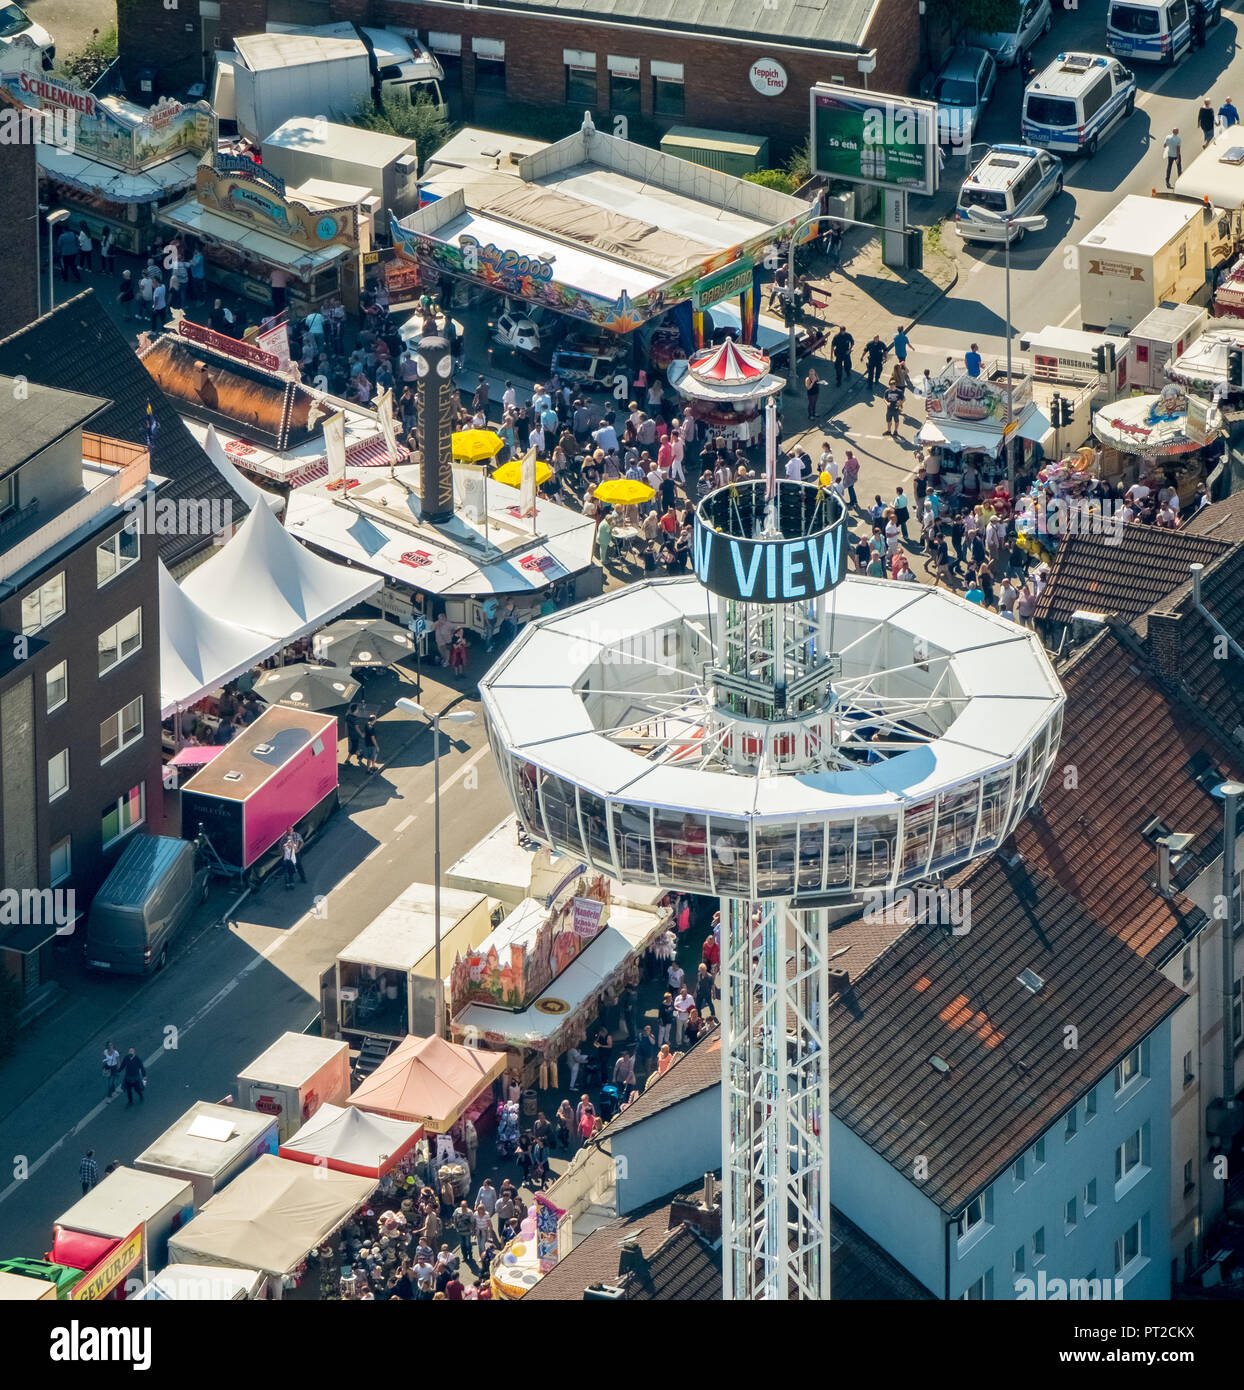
x=1024, y=224
x=54, y=221
x=453, y=716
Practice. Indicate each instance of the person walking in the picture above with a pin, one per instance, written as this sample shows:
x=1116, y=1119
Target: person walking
x=850, y=476
x=371, y=745
x=134, y=1077
x=67, y=255
x=291, y=857
x=198, y=273
x=874, y=355
x=112, y=1069
x=86, y=249
x=704, y=990
x=355, y=723
x=840, y=345
x=1228, y=115
x=88, y=1171
x=812, y=385
x=893, y=409
x=1205, y=116
x=1196, y=18
x=158, y=301
x=107, y=245
x=1173, y=148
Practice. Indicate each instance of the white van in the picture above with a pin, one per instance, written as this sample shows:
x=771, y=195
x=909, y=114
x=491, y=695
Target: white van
x=1076, y=101
x=1012, y=180
x=1151, y=31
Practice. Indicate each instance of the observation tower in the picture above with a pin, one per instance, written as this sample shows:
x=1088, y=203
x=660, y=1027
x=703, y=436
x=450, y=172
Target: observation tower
x=792, y=741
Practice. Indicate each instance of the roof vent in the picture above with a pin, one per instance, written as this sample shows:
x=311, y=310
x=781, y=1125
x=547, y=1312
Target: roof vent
x=234, y=776
x=262, y=749
x=1031, y=981
x=1154, y=830
x=939, y=1064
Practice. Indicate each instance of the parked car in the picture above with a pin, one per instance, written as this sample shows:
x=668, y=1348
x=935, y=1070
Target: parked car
x=962, y=90
x=514, y=333
x=586, y=367
x=1032, y=19
x=1012, y=181
x=17, y=28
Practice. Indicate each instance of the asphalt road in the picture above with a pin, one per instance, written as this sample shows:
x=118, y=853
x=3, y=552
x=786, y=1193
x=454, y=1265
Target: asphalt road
x=71, y=22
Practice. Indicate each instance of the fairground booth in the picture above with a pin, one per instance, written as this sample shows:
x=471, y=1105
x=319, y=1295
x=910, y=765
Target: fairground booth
x=349, y=1140
x=610, y=235
x=111, y=163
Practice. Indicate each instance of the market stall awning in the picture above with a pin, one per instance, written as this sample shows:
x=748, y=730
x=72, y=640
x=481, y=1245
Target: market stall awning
x=117, y=185
x=573, y=992
x=181, y=1283
x=262, y=580
x=429, y=1080
x=352, y=1141
x=1033, y=425
x=270, y=1216
x=191, y=216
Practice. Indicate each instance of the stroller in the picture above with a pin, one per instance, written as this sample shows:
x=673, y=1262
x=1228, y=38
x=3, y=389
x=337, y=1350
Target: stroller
x=610, y=1101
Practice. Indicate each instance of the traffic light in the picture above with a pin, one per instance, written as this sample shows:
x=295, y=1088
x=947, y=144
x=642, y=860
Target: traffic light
x=1103, y=358
x=1064, y=412
x=1235, y=366
x=913, y=248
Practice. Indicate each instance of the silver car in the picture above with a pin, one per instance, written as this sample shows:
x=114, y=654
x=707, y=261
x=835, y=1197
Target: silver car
x=962, y=90
x=1032, y=19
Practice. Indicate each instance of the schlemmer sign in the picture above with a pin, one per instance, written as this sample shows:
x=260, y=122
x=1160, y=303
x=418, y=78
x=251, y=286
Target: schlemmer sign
x=786, y=568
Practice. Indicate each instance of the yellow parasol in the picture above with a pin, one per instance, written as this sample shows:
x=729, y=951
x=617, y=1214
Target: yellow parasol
x=511, y=474
x=475, y=446
x=624, y=492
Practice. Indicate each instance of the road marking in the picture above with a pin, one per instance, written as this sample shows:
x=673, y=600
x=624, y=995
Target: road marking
x=1070, y=315
x=461, y=772
x=402, y=824
x=982, y=263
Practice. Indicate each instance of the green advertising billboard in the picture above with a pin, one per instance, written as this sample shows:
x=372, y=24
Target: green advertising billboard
x=871, y=137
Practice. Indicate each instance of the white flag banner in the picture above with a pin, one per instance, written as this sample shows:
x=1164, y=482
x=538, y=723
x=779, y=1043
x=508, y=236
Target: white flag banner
x=770, y=449
x=527, y=485
x=276, y=341
x=384, y=409
x=335, y=448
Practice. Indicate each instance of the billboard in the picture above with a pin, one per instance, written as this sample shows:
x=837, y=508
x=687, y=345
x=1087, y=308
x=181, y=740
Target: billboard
x=872, y=137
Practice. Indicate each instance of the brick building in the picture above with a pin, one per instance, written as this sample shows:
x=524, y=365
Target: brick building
x=19, y=216
x=737, y=65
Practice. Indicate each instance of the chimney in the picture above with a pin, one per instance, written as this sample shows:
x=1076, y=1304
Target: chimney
x=704, y=1216
x=839, y=979
x=1168, y=846
x=1166, y=643
x=632, y=1260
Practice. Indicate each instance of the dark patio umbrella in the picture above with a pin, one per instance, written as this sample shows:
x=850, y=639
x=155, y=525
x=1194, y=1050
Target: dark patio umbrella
x=303, y=686
x=363, y=642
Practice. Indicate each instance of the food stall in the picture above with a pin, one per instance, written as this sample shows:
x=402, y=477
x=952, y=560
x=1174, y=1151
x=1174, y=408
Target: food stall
x=209, y=1145
x=431, y=1081
x=351, y=1140
x=111, y=163
x=1158, y=440
x=386, y=978
x=533, y=987
x=290, y=1080
x=270, y=1218
x=200, y=1283
x=1204, y=368
x=725, y=388
x=124, y=1202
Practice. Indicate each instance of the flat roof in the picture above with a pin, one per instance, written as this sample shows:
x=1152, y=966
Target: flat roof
x=1210, y=176
x=329, y=193
x=336, y=141
x=37, y=417
x=178, y=1148
x=700, y=138
x=293, y=1059
x=124, y=1199
x=263, y=51
x=405, y=932
x=1141, y=225
x=260, y=750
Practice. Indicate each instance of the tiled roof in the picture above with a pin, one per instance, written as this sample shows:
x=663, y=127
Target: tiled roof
x=860, y=1269
x=693, y=1071
x=35, y=418
x=1224, y=521
x=681, y=1265
x=1123, y=577
x=1124, y=759
x=77, y=347
x=1009, y=1073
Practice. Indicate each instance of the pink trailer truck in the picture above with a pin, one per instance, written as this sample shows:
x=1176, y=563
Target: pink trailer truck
x=279, y=771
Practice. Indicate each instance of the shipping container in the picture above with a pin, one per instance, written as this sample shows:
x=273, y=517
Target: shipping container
x=293, y=1078
x=717, y=149
x=277, y=772
x=1159, y=336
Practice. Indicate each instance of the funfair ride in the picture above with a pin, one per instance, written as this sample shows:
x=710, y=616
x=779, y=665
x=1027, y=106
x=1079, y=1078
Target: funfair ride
x=792, y=741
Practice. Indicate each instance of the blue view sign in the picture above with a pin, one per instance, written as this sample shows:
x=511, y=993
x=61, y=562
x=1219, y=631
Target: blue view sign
x=779, y=570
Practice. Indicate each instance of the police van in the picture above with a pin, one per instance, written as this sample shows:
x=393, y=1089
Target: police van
x=1076, y=101
x=1011, y=181
x=1150, y=31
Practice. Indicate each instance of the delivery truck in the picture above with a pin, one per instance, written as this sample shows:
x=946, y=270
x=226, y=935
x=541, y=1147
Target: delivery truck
x=327, y=71
x=1146, y=252
x=291, y=1080
x=209, y=1145
x=280, y=771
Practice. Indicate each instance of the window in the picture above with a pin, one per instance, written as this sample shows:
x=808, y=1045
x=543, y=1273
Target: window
x=1189, y=1179
x=1096, y=97
x=448, y=50
x=1127, y=1248
x=1183, y=254
x=489, y=65
x=975, y=1292
x=8, y=494
x=1187, y=962
x=1069, y=1214
x=43, y=606
x=1038, y=1245
x=1017, y=1170
x=1128, y=1070
x=57, y=685
x=1070, y=1125
x=1090, y=1106
x=1127, y=1157
x=121, y=729
x=60, y=861
x=124, y=814
x=972, y=1216
x=58, y=774
x=624, y=94
x=1018, y=1260
x=1189, y=1076
x=1090, y=1197
x=120, y=641
x=1038, y=1153
x=668, y=92
x=116, y=554
x=580, y=86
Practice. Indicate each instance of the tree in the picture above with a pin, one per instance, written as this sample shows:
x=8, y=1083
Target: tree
x=973, y=16
x=88, y=64
x=419, y=120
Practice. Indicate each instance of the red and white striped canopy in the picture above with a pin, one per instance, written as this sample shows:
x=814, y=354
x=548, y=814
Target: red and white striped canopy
x=729, y=364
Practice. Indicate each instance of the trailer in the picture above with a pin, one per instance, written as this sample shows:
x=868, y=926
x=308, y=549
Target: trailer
x=277, y=76
x=1159, y=337
x=209, y=1145
x=280, y=771
x=123, y=1204
x=293, y=1078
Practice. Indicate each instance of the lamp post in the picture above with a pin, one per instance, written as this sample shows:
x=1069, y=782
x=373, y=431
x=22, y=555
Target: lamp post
x=54, y=221
x=1025, y=224
x=458, y=716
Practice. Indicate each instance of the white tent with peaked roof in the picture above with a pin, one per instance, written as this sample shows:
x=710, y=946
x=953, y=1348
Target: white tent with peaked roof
x=249, y=492
x=264, y=581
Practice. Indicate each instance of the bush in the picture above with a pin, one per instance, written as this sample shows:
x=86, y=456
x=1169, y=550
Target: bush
x=777, y=179
x=419, y=120
x=89, y=63
x=10, y=1007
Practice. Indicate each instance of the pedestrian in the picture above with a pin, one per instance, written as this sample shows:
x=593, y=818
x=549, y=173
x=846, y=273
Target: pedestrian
x=107, y=244
x=565, y=1124
x=134, y=1077
x=840, y=346
x=371, y=744
x=112, y=1069
x=458, y=653
x=86, y=249
x=158, y=301
x=1196, y=18
x=874, y=356
x=893, y=409
x=812, y=385
x=355, y=724
x=88, y=1171
x=291, y=857
x=1227, y=114
x=704, y=990
x=1173, y=148
x=125, y=295
x=67, y=255
x=972, y=361
x=850, y=476
x=1205, y=116
x=198, y=272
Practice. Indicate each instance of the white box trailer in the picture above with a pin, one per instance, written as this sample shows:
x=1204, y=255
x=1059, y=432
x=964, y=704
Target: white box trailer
x=1216, y=176
x=1068, y=355
x=306, y=148
x=127, y=1199
x=293, y=1078
x=277, y=76
x=1159, y=336
x=1146, y=251
x=210, y=1144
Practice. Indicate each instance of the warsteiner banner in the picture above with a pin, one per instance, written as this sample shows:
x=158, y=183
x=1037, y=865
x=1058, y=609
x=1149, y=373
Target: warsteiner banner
x=438, y=406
